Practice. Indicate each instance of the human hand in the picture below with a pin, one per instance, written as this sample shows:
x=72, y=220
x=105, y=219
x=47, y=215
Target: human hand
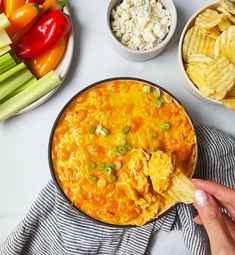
x=220, y=227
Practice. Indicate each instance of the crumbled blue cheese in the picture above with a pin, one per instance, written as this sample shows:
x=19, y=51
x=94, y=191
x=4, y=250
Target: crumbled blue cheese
x=140, y=24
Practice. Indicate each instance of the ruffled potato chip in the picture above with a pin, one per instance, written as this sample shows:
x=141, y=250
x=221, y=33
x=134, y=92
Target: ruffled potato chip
x=213, y=73
x=194, y=58
x=182, y=189
x=224, y=24
x=229, y=103
x=214, y=78
x=225, y=44
x=229, y=50
x=220, y=76
x=195, y=42
x=227, y=13
x=208, y=19
x=228, y=5
x=197, y=73
x=169, y=182
x=213, y=32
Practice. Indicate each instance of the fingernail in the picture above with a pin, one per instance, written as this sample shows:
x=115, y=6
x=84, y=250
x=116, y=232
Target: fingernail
x=201, y=197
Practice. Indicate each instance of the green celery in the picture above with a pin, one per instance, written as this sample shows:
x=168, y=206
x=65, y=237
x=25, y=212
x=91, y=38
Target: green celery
x=4, y=49
x=6, y=63
x=4, y=39
x=7, y=66
x=14, y=82
x=19, y=89
x=11, y=72
x=4, y=22
x=29, y=95
x=25, y=85
x=5, y=58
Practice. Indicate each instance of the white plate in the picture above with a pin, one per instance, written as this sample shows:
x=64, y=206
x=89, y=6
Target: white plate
x=61, y=70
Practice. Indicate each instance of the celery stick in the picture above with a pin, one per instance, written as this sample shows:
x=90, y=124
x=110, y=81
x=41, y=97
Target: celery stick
x=11, y=72
x=4, y=39
x=29, y=95
x=4, y=22
x=19, y=89
x=6, y=63
x=14, y=82
x=4, y=49
x=7, y=66
x=5, y=58
x=30, y=82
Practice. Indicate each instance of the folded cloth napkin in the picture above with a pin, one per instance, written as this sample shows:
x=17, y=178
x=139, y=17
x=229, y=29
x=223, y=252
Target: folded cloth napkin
x=52, y=227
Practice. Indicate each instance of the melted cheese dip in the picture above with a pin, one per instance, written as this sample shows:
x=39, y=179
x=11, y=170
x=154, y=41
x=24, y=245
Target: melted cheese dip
x=102, y=144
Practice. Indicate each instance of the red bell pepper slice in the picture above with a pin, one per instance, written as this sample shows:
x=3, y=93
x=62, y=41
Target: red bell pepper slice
x=46, y=32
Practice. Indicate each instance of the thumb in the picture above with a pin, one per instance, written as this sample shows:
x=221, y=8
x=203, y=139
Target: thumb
x=213, y=221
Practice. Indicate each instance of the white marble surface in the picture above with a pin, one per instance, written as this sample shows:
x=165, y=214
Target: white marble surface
x=24, y=139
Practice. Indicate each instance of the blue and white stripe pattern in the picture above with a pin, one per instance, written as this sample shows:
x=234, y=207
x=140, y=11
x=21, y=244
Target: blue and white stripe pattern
x=52, y=227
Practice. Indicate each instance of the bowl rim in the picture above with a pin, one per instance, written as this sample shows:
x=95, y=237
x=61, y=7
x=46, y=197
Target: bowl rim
x=50, y=161
x=142, y=52
x=180, y=55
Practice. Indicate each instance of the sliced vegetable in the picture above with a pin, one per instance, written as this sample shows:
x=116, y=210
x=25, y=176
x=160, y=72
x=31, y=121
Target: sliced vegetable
x=29, y=95
x=6, y=63
x=108, y=168
x=99, y=127
x=49, y=60
x=4, y=49
x=14, y=82
x=11, y=72
x=117, y=165
x=121, y=150
x=104, y=131
x=19, y=89
x=37, y=40
x=146, y=89
x=23, y=16
x=165, y=126
x=167, y=98
x=158, y=102
x=101, y=183
x=126, y=130
x=92, y=178
x=11, y=5
x=92, y=165
x=4, y=22
x=4, y=39
x=156, y=93
x=112, y=178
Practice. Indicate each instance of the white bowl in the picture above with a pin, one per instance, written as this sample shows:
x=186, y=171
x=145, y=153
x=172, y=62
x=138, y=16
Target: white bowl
x=142, y=55
x=190, y=86
x=61, y=70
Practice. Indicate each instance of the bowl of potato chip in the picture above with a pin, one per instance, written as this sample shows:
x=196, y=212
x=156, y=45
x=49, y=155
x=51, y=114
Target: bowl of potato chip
x=207, y=53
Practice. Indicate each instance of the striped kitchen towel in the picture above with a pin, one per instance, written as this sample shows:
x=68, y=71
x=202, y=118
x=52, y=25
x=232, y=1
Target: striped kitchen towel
x=53, y=228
